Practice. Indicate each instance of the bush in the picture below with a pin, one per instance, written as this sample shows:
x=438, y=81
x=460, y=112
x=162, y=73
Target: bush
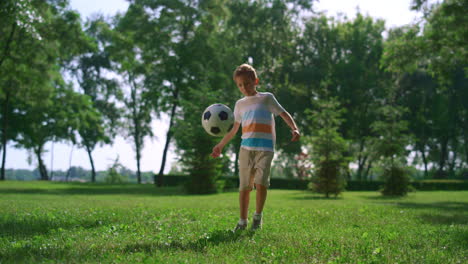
x=439, y=185
x=328, y=179
x=114, y=173
x=114, y=177
x=396, y=181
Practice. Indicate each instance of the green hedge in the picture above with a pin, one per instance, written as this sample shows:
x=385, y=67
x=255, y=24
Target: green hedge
x=295, y=184
x=436, y=185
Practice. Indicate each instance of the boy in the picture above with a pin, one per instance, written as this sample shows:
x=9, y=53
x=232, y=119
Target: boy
x=254, y=112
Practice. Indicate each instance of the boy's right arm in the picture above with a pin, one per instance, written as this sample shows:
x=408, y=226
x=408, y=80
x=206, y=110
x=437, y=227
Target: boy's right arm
x=219, y=147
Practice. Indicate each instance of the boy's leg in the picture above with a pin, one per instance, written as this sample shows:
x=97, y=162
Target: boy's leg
x=244, y=198
x=260, y=198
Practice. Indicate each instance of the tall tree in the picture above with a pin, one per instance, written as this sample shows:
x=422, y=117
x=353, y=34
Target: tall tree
x=30, y=50
x=92, y=70
x=128, y=62
x=327, y=147
x=45, y=118
x=437, y=49
x=389, y=147
x=344, y=56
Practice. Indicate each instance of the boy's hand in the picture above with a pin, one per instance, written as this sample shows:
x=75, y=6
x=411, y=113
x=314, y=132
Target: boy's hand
x=216, y=151
x=295, y=135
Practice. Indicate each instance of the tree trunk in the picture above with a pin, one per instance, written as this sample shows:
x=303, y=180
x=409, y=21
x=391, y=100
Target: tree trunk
x=361, y=161
x=138, y=167
x=442, y=159
x=42, y=168
x=69, y=164
x=361, y=168
x=136, y=124
x=423, y=155
x=159, y=182
x=93, y=170
x=52, y=161
x=369, y=166
x=137, y=149
x=4, y=132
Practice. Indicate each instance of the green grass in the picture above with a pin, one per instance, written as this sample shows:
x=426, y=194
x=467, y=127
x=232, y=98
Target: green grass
x=76, y=223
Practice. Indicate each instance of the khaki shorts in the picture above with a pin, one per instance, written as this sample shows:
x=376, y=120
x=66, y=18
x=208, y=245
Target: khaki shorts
x=254, y=167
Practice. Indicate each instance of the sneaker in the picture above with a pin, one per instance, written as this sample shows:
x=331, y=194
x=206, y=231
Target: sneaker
x=257, y=224
x=240, y=227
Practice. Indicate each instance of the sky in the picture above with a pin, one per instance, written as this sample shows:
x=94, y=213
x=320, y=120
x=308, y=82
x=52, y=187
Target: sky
x=57, y=156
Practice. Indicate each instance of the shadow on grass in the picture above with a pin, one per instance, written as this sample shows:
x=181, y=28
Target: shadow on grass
x=443, y=219
x=443, y=213
x=212, y=239
x=31, y=254
x=23, y=228
x=380, y=197
x=314, y=196
x=443, y=206
x=97, y=189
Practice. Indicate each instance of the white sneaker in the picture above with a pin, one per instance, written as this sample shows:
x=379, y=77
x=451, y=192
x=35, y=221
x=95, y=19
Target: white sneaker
x=240, y=227
x=257, y=224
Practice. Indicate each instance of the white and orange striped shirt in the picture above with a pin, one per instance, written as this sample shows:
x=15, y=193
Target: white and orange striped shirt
x=255, y=114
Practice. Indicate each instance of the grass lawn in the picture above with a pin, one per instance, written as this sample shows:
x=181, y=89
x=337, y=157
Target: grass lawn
x=76, y=223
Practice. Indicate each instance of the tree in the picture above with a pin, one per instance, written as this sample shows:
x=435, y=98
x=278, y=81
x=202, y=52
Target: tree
x=327, y=147
x=127, y=57
x=30, y=53
x=343, y=55
x=195, y=145
x=46, y=119
x=436, y=49
x=91, y=70
x=389, y=147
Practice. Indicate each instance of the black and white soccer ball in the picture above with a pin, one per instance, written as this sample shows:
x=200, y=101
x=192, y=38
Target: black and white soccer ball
x=217, y=120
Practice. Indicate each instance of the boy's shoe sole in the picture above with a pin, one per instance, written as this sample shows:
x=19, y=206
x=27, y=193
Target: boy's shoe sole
x=257, y=224
x=239, y=227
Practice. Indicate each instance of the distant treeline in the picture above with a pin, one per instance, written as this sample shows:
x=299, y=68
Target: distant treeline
x=75, y=174
x=83, y=175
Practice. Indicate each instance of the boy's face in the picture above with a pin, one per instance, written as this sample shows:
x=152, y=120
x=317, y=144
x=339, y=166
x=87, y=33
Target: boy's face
x=246, y=85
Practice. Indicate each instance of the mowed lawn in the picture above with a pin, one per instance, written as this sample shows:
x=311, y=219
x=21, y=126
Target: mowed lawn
x=76, y=223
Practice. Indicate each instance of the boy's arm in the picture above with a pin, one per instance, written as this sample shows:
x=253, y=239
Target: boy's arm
x=219, y=147
x=290, y=122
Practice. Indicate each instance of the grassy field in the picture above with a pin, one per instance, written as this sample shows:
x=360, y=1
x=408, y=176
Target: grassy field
x=76, y=223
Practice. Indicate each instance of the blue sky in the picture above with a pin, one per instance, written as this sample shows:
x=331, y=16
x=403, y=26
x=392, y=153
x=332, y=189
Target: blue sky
x=394, y=12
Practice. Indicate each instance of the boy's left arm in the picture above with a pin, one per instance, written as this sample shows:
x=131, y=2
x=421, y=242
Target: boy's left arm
x=290, y=122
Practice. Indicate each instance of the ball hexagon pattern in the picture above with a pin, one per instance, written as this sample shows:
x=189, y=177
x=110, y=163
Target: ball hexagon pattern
x=217, y=120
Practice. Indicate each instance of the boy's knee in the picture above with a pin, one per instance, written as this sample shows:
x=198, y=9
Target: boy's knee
x=246, y=188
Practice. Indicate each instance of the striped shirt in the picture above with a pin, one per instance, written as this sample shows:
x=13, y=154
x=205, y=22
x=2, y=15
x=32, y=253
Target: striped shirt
x=255, y=114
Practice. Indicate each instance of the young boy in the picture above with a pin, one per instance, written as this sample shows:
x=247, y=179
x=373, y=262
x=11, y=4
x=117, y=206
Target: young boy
x=254, y=112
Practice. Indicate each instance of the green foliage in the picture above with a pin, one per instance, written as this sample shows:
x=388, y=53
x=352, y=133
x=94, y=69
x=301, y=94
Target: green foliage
x=342, y=56
x=436, y=50
x=327, y=148
x=31, y=58
x=389, y=147
x=195, y=145
x=396, y=181
x=114, y=174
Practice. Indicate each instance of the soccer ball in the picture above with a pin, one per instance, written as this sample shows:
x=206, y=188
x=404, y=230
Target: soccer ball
x=217, y=120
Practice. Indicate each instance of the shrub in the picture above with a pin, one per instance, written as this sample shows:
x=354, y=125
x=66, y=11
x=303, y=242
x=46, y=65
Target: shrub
x=114, y=177
x=327, y=148
x=396, y=181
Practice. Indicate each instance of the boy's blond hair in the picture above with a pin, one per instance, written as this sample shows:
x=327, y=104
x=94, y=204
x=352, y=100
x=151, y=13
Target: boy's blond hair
x=245, y=70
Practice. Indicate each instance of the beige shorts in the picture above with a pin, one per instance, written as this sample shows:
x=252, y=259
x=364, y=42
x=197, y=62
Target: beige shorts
x=254, y=167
